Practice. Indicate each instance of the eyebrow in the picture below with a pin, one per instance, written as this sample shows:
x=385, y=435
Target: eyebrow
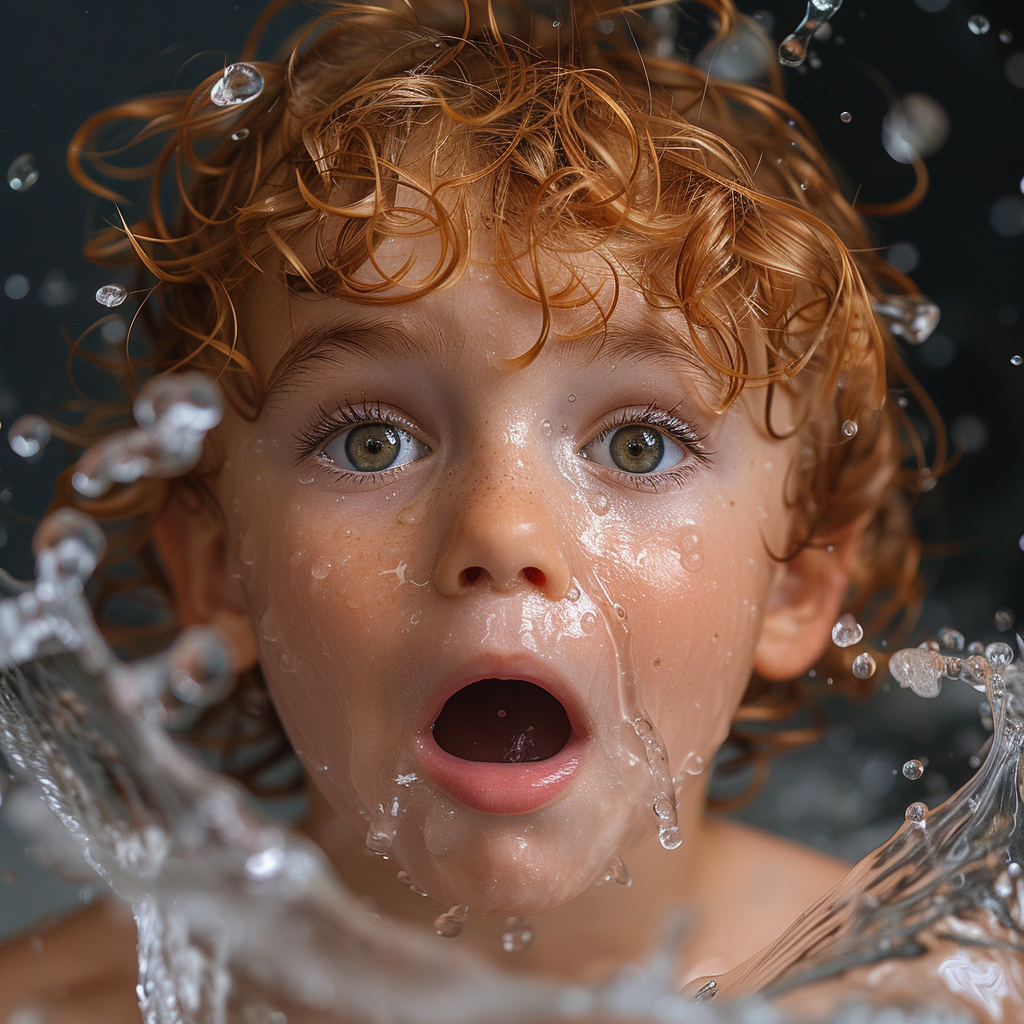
x=635, y=342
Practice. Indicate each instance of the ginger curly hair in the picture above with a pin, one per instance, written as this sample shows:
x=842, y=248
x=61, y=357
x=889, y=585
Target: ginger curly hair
x=713, y=196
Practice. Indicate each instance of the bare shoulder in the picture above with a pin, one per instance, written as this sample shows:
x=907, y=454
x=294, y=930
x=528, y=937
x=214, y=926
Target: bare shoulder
x=82, y=969
x=756, y=885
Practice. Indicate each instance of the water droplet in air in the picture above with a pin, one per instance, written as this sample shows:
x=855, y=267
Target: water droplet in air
x=913, y=769
x=978, y=24
x=111, y=295
x=915, y=126
x=706, y=992
x=793, y=49
x=239, y=83
x=911, y=317
x=850, y=428
x=28, y=437
x=951, y=638
x=916, y=813
x=864, y=666
x=451, y=922
x=669, y=837
x=919, y=668
x=517, y=935
x=199, y=667
x=22, y=173
x=846, y=117
x=847, y=631
x=616, y=871
x=694, y=763
x=1005, y=619
x=242, y=133
x=1016, y=360
x=1006, y=36
x=16, y=286
x=999, y=655
x=67, y=543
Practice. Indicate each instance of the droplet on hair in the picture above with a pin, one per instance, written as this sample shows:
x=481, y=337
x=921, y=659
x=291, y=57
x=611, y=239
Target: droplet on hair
x=916, y=813
x=111, y=295
x=242, y=133
x=850, y=428
x=239, y=83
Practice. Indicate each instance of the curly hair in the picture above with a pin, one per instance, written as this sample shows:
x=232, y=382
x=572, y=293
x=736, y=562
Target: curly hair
x=712, y=197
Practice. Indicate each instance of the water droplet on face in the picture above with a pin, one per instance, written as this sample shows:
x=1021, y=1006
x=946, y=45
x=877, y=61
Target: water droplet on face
x=22, y=173
x=663, y=807
x=600, y=504
x=239, y=83
x=242, y=133
x=999, y=655
x=517, y=935
x=850, y=428
x=29, y=436
x=847, y=631
x=951, y=638
x=588, y=623
x=111, y=295
x=669, y=837
x=407, y=881
x=864, y=666
x=846, y=117
x=978, y=24
x=913, y=769
x=451, y=922
x=693, y=764
x=571, y=398
x=247, y=549
x=307, y=476
x=916, y=813
x=321, y=568
x=616, y=871
x=545, y=428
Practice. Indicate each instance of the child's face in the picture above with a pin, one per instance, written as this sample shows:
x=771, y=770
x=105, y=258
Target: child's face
x=585, y=524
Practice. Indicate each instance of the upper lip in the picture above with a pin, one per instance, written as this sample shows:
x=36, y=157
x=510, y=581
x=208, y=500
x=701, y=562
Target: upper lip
x=496, y=665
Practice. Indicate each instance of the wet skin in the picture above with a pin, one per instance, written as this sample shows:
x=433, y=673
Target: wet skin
x=513, y=506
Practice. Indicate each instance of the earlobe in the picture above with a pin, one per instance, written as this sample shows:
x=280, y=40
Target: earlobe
x=804, y=604
x=190, y=541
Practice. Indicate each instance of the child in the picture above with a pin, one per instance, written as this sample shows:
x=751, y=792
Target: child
x=557, y=444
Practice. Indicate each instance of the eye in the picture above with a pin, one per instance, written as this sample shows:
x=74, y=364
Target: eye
x=646, y=443
x=372, y=448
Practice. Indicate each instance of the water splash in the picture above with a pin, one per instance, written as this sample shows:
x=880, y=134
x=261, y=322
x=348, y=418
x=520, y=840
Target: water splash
x=238, y=84
x=173, y=412
x=793, y=49
x=911, y=317
x=943, y=896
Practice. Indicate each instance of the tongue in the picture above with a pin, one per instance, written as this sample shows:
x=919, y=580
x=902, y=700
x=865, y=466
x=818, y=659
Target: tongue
x=503, y=720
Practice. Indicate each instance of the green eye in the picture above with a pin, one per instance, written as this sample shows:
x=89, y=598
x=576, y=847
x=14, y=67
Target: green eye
x=636, y=448
x=373, y=448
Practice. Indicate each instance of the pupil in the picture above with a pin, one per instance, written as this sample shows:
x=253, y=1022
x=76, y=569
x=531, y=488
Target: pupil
x=637, y=449
x=372, y=447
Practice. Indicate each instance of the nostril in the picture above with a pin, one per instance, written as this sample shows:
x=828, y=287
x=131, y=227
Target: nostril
x=470, y=575
x=535, y=576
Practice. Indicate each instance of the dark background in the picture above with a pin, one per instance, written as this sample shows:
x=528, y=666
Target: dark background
x=64, y=61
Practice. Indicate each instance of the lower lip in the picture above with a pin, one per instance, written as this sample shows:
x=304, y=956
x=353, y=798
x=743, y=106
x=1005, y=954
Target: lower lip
x=500, y=788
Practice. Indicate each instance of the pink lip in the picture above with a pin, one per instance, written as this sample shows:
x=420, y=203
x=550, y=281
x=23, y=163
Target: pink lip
x=503, y=788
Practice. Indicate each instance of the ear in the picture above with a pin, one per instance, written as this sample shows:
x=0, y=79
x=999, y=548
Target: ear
x=189, y=538
x=804, y=604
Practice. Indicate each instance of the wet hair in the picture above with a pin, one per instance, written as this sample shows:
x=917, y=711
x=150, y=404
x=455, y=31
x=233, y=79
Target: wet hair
x=566, y=142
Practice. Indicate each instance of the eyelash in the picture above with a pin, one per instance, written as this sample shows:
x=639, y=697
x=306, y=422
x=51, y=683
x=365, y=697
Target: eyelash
x=325, y=425
x=679, y=430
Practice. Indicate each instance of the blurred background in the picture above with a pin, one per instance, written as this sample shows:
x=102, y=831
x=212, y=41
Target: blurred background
x=943, y=75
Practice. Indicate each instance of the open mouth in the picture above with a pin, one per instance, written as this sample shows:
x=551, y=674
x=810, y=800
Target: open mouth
x=504, y=721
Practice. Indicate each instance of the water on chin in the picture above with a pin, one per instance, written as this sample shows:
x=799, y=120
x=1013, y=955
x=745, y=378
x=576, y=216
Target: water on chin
x=240, y=919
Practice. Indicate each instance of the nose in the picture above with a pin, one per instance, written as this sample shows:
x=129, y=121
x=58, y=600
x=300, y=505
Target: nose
x=502, y=537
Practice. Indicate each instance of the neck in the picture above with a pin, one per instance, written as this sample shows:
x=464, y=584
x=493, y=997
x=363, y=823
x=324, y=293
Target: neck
x=604, y=928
